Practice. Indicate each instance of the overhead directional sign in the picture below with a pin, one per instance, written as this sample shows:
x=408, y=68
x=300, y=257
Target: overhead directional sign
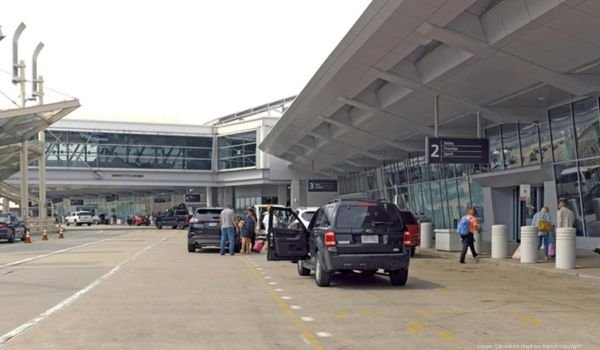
x=448, y=150
x=322, y=186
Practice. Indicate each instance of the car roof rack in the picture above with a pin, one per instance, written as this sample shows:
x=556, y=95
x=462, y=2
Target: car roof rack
x=341, y=200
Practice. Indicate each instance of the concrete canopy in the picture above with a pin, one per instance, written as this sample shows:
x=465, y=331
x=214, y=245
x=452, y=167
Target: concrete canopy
x=373, y=98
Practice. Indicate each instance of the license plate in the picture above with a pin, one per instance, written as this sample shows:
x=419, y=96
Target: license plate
x=369, y=239
x=213, y=224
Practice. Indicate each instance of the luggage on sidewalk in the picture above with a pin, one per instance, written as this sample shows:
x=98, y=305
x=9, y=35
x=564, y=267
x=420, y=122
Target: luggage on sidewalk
x=258, y=246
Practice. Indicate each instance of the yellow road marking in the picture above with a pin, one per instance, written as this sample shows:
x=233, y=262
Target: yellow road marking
x=340, y=315
x=368, y=313
x=284, y=307
x=531, y=320
x=442, y=291
x=417, y=327
x=446, y=336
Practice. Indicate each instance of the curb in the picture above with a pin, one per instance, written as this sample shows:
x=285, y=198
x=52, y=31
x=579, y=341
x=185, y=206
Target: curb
x=508, y=264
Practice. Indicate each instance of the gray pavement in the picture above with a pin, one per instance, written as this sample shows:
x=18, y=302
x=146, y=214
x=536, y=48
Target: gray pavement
x=166, y=298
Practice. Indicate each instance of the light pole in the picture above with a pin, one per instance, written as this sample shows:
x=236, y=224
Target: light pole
x=37, y=89
x=19, y=77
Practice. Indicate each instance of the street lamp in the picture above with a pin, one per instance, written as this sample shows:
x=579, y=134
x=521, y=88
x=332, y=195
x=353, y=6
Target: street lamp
x=34, y=76
x=16, y=65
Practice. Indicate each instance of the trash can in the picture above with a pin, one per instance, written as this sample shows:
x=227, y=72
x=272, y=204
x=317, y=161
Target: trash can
x=529, y=243
x=426, y=235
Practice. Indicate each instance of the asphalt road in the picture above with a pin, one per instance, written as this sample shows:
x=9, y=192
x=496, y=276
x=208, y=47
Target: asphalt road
x=140, y=289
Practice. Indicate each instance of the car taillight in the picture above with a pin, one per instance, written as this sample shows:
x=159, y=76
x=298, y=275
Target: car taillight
x=187, y=218
x=407, y=241
x=3, y=225
x=330, y=239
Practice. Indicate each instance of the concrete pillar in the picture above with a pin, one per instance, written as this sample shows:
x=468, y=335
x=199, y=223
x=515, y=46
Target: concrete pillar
x=24, y=181
x=282, y=194
x=565, y=248
x=426, y=235
x=529, y=242
x=42, y=181
x=5, y=205
x=209, y=197
x=499, y=242
x=295, y=193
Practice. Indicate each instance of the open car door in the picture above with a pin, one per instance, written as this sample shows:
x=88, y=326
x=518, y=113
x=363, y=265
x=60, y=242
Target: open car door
x=285, y=242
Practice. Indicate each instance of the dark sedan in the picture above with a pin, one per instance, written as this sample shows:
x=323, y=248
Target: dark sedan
x=11, y=228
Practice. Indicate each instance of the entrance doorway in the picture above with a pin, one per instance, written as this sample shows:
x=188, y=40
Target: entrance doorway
x=524, y=210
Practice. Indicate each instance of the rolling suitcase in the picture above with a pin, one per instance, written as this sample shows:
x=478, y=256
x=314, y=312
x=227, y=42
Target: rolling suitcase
x=258, y=246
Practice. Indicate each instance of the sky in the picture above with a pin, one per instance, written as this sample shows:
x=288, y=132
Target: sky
x=172, y=61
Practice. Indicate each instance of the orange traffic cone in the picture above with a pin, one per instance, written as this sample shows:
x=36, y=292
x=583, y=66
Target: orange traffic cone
x=27, y=237
x=60, y=233
x=45, y=235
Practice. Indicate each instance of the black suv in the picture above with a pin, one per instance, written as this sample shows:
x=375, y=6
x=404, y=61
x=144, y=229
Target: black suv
x=344, y=236
x=205, y=230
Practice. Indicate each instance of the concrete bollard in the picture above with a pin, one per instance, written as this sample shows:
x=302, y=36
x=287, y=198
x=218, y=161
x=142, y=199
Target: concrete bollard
x=565, y=248
x=529, y=243
x=426, y=235
x=477, y=243
x=499, y=242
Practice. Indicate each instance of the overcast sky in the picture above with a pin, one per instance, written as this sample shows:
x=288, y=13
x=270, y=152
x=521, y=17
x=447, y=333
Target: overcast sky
x=173, y=61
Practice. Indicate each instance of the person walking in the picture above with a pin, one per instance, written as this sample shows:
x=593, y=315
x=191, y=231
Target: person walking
x=248, y=232
x=253, y=238
x=543, y=222
x=229, y=226
x=467, y=227
x=564, y=217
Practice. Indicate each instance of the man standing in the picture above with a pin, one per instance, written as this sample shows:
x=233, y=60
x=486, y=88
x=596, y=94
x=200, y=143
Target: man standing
x=564, y=216
x=228, y=227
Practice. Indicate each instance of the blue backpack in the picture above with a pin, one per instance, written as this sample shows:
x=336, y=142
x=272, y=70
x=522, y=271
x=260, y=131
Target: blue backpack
x=463, y=226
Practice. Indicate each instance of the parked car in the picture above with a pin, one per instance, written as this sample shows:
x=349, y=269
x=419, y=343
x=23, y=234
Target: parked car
x=79, y=218
x=412, y=234
x=344, y=236
x=139, y=220
x=177, y=217
x=11, y=228
x=305, y=214
x=100, y=219
x=205, y=230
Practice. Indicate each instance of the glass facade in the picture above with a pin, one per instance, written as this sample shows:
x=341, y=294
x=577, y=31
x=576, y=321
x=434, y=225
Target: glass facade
x=138, y=151
x=569, y=141
x=237, y=151
x=440, y=192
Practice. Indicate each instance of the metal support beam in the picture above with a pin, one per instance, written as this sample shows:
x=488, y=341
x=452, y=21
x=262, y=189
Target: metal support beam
x=436, y=115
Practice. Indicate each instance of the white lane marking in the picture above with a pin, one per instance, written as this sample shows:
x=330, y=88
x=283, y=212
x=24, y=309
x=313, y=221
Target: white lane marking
x=267, y=277
x=324, y=335
x=295, y=307
x=25, y=326
x=278, y=289
x=307, y=319
x=52, y=253
x=286, y=297
x=263, y=273
x=259, y=268
x=272, y=283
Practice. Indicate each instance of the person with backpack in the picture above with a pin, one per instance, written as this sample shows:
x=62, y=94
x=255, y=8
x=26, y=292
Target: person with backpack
x=467, y=226
x=543, y=222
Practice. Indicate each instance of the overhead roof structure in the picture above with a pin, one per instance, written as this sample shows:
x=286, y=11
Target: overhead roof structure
x=17, y=125
x=373, y=98
x=21, y=124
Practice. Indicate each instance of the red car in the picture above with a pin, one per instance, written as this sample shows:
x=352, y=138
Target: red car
x=139, y=220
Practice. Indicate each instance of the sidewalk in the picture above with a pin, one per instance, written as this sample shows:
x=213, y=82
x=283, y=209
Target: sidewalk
x=587, y=264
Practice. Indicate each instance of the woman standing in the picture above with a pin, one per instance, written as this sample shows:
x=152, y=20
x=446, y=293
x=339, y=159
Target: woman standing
x=248, y=232
x=543, y=222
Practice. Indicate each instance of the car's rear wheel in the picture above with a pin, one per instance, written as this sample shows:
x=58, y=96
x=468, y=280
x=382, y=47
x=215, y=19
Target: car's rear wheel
x=159, y=225
x=89, y=224
x=302, y=271
x=399, y=277
x=191, y=248
x=11, y=238
x=413, y=251
x=322, y=277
